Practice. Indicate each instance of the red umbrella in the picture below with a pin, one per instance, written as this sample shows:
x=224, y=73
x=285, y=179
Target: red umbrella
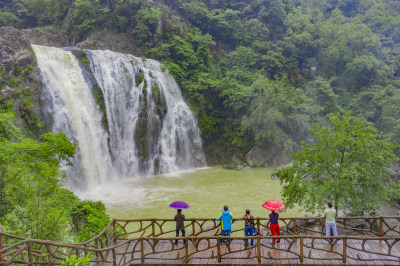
x=274, y=205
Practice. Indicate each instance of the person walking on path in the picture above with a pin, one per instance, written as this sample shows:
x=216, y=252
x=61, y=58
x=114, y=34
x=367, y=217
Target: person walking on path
x=248, y=226
x=274, y=226
x=330, y=223
x=226, y=218
x=180, y=226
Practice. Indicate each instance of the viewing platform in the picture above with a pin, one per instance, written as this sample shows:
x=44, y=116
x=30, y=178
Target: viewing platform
x=361, y=240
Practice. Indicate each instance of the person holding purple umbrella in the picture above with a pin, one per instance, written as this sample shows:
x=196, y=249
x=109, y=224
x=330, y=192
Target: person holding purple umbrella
x=180, y=225
x=179, y=217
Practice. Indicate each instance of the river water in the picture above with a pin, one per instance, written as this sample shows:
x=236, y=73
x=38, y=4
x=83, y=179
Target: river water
x=206, y=190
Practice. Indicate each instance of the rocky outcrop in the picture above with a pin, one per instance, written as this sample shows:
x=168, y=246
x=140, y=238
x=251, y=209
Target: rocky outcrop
x=266, y=155
x=43, y=36
x=105, y=40
x=19, y=76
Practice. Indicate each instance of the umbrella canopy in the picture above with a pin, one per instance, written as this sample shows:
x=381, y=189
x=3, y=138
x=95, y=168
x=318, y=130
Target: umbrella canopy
x=274, y=205
x=179, y=205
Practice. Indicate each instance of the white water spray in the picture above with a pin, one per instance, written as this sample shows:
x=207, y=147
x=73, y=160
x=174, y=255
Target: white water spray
x=149, y=129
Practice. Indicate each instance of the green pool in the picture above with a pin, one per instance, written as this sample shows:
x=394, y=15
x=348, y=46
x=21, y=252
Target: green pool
x=206, y=190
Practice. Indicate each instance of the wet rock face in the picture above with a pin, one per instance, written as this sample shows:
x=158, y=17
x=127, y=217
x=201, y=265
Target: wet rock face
x=266, y=155
x=19, y=79
x=14, y=51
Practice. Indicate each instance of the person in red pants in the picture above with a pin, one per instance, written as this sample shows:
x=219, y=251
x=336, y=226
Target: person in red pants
x=274, y=225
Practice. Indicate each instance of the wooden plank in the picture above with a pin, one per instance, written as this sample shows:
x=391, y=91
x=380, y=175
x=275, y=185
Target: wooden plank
x=353, y=253
x=374, y=246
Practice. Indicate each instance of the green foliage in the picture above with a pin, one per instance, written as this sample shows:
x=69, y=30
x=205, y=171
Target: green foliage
x=335, y=55
x=13, y=82
x=279, y=113
x=88, y=219
x=8, y=130
x=33, y=203
x=347, y=164
x=74, y=261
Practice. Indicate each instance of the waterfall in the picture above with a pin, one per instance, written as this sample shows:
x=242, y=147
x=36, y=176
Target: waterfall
x=144, y=128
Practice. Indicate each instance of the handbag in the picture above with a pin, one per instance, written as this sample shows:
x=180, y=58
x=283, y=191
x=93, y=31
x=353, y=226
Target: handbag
x=255, y=231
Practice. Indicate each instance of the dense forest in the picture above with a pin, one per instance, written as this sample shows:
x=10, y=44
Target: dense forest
x=256, y=72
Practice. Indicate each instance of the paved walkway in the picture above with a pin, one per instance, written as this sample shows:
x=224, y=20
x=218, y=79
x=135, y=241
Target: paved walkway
x=287, y=252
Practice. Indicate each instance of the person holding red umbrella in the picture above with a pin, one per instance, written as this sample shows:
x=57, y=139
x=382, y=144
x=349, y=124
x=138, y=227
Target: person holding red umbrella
x=274, y=225
x=273, y=206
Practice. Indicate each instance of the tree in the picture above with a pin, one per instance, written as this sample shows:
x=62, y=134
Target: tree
x=278, y=113
x=347, y=164
x=33, y=203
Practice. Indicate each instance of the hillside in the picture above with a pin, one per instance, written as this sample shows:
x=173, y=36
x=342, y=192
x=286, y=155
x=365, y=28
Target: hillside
x=256, y=73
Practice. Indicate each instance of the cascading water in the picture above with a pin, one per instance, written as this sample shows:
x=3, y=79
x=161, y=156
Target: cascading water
x=70, y=104
x=152, y=130
x=148, y=128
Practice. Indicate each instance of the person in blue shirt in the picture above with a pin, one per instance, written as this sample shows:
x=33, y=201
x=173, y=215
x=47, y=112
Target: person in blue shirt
x=226, y=218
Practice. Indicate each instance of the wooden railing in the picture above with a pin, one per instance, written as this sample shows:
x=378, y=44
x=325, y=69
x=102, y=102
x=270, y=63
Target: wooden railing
x=141, y=240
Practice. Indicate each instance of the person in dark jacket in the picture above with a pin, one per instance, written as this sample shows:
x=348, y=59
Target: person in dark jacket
x=226, y=218
x=248, y=226
x=180, y=226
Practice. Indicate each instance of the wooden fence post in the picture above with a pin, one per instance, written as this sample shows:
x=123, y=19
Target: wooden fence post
x=2, y=257
x=186, y=250
x=193, y=229
x=258, y=226
x=141, y=251
x=259, y=249
x=30, y=255
x=114, y=257
x=114, y=232
x=153, y=229
x=295, y=227
x=344, y=249
x=218, y=250
x=301, y=250
x=380, y=228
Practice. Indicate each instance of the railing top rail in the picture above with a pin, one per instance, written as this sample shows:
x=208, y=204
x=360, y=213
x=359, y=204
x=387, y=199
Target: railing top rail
x=260, y=218
x=126, y=240
x=109, y=226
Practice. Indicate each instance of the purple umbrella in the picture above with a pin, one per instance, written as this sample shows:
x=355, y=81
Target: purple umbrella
x=179, y=205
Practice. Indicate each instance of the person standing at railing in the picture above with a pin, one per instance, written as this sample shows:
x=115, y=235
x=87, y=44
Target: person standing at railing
x=330, y=223
x=248, y=226
x=180, y=225
x=226, y=218
x=274, y=226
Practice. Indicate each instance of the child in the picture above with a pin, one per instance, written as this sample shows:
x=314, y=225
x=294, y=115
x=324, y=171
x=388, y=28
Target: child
x=274, y=225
